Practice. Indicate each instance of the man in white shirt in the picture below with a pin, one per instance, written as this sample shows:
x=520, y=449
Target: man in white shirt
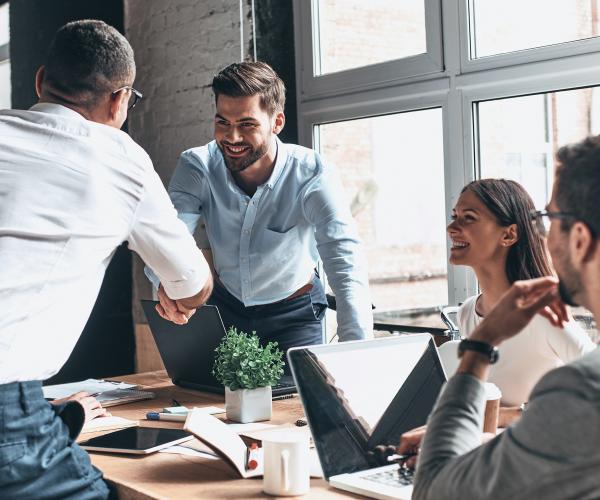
x=73, y=187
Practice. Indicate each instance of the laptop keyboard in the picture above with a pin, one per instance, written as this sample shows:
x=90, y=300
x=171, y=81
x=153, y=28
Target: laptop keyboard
x=394, y=477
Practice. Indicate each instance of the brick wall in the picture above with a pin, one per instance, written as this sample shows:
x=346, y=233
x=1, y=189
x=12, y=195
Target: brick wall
x=179, y=45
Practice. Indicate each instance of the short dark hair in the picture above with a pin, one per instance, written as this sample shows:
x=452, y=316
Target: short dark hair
x=87, y=59
x=510, y=204
x=251, y=78
x=578, y=183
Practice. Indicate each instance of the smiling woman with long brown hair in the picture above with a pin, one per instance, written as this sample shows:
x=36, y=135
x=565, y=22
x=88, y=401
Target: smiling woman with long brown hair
x=492, y=232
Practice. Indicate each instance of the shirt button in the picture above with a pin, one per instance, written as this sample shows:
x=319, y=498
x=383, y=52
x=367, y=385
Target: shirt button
x=246, y=231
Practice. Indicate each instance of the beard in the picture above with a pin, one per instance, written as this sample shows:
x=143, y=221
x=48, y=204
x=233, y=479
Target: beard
x=567, y=292
x=569, y=281
x=241, y=164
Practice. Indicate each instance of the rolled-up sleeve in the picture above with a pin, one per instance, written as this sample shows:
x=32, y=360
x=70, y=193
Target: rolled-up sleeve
x=165, y=244
x=340, y=250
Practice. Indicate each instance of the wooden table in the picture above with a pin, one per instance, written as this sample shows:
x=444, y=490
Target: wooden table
x=165, y=475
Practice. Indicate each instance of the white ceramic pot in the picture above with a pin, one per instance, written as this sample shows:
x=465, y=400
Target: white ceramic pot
x=248, y=405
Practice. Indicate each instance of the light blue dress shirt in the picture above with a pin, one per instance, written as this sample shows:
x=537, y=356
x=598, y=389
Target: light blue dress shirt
x=266, y=246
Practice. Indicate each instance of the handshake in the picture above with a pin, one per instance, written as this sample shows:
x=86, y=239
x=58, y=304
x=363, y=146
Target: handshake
x=177, y=311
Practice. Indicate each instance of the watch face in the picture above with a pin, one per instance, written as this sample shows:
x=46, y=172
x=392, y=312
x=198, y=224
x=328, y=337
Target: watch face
x=493, y=355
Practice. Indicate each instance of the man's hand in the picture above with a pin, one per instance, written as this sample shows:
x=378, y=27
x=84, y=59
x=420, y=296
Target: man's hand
x=91, y=406
x=410, y=442
x=172, y=310
x=557, y=313
x=516, y=308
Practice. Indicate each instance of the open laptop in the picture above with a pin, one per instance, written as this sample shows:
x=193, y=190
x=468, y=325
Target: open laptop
x=357, y=395
x=188, y=351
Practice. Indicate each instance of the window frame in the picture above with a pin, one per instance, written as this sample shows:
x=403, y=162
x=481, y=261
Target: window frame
x=456, y=89
x=523, y=56
x=5, y=48
x=384, y=73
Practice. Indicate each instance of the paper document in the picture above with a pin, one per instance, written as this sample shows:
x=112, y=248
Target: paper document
x=108, y=424
x=190, y=452
x=90, y=385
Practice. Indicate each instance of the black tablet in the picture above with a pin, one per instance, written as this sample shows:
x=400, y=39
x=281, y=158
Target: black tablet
x=138, y=440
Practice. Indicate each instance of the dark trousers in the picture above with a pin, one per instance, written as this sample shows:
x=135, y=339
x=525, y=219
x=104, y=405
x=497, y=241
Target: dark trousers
x=290, y=323
x=38, y=456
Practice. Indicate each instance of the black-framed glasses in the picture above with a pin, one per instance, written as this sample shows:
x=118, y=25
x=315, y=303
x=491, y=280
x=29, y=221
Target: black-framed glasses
x=541, y=219
x=135, y=96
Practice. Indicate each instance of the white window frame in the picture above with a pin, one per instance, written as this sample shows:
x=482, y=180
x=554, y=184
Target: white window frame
x=524, y=56
x=456, y=89
x=384, y=73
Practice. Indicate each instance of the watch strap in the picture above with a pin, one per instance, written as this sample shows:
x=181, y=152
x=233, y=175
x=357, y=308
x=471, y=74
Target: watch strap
x=481, y=347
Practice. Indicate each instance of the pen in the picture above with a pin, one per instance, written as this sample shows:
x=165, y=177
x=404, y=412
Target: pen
x=399, y=459
x=154, y=415
x=253, y=458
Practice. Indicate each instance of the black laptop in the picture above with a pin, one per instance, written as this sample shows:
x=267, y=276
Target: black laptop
x=357, y=395
x=188, y=351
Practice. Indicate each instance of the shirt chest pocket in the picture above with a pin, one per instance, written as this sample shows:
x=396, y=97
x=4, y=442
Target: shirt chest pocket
x=280, y=246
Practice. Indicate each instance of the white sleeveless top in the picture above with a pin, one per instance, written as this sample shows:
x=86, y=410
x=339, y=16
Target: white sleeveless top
x=527, y=356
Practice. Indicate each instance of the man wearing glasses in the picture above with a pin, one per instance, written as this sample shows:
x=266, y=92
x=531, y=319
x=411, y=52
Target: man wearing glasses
x=552, y=452
x=73, y=187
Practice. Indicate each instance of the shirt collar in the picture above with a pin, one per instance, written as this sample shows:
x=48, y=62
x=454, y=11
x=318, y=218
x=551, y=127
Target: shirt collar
x=56, y=109
x=279, y=164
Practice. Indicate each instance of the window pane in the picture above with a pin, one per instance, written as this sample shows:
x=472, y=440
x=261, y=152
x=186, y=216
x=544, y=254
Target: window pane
x=518, y=137
x=511, y=25
x=4, y=24
x=393, y=173
x=356, y=33
x=4, y=85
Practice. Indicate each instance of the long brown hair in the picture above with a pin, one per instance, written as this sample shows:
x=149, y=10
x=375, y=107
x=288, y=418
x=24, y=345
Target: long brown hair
x=510, y=204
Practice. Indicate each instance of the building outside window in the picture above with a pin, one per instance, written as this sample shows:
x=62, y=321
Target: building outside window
x=412, y=100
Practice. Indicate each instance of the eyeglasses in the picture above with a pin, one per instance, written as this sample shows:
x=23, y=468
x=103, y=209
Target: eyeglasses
x=541, y=219
x=135, y=96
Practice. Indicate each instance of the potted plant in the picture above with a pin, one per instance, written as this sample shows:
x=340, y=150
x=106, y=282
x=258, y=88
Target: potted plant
x=247, y=370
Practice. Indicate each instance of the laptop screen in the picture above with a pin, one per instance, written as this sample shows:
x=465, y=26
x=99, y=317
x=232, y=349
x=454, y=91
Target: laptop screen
x=357, y=395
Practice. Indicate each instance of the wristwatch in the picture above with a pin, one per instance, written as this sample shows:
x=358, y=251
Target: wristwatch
x=481, y=347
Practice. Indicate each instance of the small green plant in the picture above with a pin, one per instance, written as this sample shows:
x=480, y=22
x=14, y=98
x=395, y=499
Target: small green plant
x=242, y=363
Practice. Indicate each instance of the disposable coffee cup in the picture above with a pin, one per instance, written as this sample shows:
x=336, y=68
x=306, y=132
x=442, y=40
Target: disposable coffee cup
x=492, y=408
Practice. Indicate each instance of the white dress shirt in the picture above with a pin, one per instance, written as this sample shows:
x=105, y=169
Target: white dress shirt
x=525, y=358
x=71, y=191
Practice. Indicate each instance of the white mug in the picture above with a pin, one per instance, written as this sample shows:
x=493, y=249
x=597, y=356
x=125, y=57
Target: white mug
x=287, y=464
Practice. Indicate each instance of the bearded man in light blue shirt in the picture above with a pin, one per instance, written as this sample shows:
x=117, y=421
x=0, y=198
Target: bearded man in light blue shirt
x=270, y=211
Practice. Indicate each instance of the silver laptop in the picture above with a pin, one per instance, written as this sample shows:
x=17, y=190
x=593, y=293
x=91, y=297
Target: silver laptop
x=357, y=395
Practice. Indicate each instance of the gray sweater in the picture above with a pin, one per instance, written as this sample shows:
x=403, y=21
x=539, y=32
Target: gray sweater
x=552, y=452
